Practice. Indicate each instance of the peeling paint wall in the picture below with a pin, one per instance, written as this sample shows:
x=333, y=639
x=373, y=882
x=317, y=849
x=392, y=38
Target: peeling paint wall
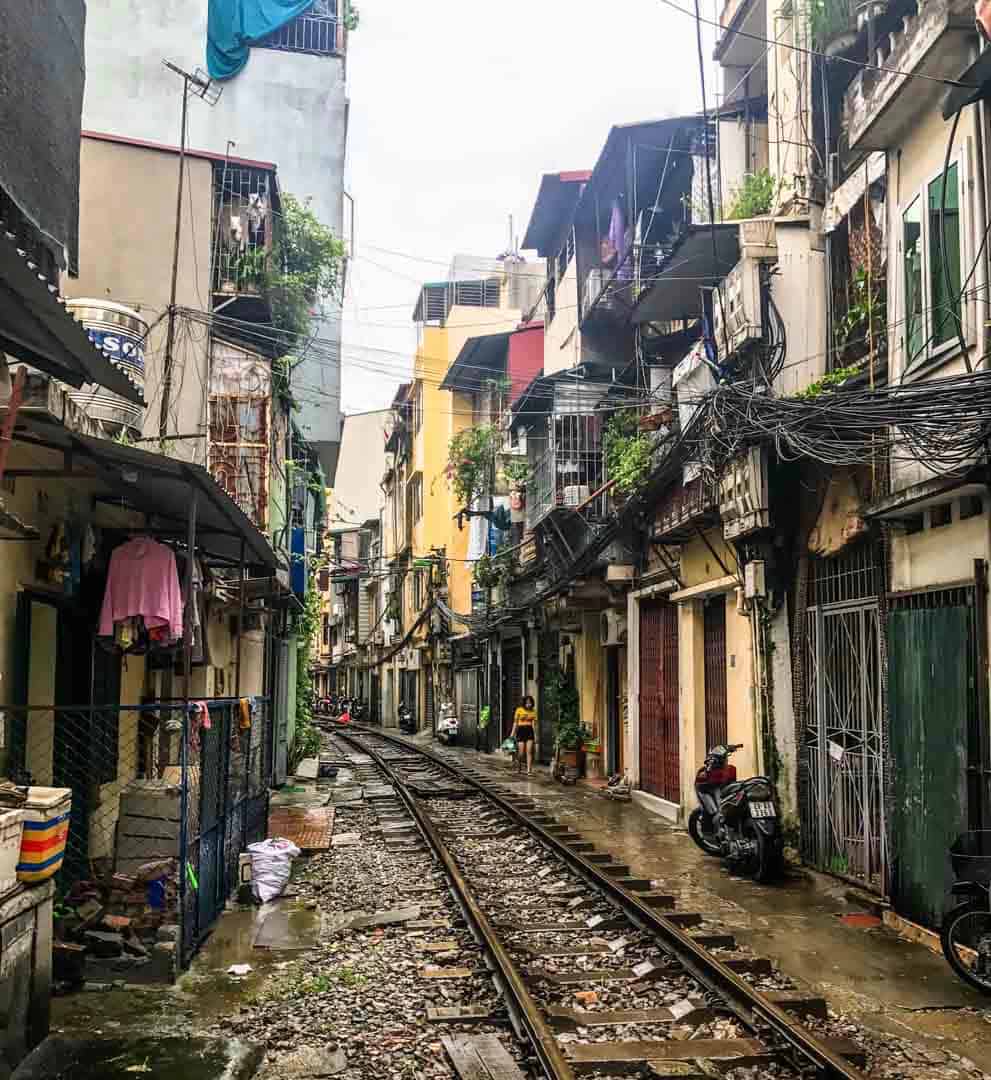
x=285, y=107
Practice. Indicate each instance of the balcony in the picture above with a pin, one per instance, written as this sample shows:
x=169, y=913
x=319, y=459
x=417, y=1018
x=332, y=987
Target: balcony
x=685, y=509
x=318, y=31
x=935, y=42
x=610, y=293
x=569, y=477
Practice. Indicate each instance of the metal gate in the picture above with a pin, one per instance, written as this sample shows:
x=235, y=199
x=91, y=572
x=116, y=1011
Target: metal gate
x=843, y=753
x=660, y=757
x=466, y=689
x=714, y=651
x=512, y=682
x=430, y=718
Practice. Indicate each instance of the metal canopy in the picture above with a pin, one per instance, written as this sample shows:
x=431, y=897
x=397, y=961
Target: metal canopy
x=675, y=292
x=37, y=329
x=159, y=486
x=480, y=358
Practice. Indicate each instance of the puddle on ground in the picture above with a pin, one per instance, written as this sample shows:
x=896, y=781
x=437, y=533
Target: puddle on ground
x=151, y=1058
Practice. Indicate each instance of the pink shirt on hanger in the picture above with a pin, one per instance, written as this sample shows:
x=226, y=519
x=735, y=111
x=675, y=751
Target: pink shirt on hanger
x=142, y=581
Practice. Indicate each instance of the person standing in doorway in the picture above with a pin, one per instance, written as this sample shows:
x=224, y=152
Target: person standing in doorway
x=524, y=722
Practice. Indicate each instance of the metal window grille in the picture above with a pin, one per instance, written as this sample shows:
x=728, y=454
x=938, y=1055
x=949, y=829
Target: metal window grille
x=436, y=300
x=239, y=452
x=318, y=31
x=242, y=205
x=570, y=471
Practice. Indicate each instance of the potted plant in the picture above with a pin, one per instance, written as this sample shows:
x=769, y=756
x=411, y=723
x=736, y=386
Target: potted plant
x=470, y=461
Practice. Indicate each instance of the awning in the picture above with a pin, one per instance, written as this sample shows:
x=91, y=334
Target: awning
x=481, y=358
x=675, y=291
x=978, y=86
x=158, y=486
x=36, y=328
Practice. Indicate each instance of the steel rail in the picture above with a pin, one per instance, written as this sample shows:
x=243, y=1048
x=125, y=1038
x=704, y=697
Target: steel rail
x=766, y=1019
x=553, y=1061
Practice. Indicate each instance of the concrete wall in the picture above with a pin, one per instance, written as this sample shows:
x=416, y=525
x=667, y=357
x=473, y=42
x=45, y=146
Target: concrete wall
x=799, y=290
x=915, y=161
x=562, y=338
x=289, y=108
x=126, y=245
x=357, y=496
x=939, y=556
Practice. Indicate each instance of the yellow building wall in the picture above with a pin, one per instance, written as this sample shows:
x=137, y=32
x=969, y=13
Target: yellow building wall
x=698, y=567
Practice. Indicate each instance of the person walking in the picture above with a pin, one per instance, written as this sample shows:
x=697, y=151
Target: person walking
x=524, y=721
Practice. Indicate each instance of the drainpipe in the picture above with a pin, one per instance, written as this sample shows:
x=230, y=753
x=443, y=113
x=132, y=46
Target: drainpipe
x=982, y=307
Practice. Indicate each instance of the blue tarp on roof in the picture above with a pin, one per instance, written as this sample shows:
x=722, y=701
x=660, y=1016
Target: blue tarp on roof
x=233, y=26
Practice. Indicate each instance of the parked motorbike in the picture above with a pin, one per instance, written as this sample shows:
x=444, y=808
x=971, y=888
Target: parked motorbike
x=737, y=820
x=407, y=724
x=448, y=726
x=966, y=932
x=358, y=710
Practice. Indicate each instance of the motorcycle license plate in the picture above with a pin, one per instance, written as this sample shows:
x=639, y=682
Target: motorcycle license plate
x=762, y=810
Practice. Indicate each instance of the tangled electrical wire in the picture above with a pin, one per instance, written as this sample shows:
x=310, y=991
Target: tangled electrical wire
x=943, y=423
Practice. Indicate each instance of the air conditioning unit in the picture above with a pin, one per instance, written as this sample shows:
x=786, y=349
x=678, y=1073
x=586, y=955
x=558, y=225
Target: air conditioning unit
x=575, y=494
x=378, y=637
x=612, y=628
x=737, y=310
x=743, y=501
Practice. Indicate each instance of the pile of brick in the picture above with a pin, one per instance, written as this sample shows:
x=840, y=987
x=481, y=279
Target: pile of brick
x=123, y=927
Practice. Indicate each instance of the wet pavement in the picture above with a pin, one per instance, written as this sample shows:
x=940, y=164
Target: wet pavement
x=895, y=986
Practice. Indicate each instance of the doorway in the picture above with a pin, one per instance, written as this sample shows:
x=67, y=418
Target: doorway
x=714, y=654
x=660, y=733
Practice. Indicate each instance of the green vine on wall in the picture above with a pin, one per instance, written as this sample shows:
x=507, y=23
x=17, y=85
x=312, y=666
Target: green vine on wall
x=627, y=451
x=562, y=699
x=306, y=738
x=470, y=460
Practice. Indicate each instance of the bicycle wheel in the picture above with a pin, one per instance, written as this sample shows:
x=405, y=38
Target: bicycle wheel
x=966, y=941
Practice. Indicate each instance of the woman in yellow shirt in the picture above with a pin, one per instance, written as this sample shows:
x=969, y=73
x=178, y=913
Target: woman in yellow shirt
x=524, y=720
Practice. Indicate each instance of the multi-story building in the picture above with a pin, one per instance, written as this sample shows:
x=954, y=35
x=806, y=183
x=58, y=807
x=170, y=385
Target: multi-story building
x=425, y=541
x=284, y=100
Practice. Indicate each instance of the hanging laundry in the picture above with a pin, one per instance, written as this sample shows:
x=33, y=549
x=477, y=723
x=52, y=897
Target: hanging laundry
x=199, y=720
x=618, y=237
x=142, y=580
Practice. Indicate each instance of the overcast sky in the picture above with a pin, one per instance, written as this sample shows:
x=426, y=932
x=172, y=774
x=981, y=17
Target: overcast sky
x=457, y=109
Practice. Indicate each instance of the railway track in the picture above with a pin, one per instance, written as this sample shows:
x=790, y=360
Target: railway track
x=600, y=971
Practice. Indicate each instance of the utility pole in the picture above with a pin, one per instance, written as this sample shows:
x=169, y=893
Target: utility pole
x=204, y=89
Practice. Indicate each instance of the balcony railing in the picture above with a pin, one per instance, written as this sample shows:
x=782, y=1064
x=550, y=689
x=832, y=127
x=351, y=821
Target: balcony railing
x=570, y=478
x=614, y=290
x=685, y=507
x=317, y=31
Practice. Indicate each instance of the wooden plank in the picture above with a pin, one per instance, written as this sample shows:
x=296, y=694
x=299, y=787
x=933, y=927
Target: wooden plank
x=496, y=1058
x=569, y=1019
x=431, y=971
x=621, y=1053
x=577, y=978
x=461, y=1014
x=464, y=1057
x=590, y=949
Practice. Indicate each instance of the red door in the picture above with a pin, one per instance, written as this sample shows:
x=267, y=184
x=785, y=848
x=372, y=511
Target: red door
x=660, y=759
x=714, y=649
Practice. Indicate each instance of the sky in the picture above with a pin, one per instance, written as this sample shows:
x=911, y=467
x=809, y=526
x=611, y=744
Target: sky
x=457, y=109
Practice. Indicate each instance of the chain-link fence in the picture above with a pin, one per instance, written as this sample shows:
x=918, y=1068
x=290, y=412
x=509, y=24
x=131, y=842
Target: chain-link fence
x=165, y=797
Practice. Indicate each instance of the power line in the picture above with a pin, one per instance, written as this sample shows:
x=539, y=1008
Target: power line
x=862, y=64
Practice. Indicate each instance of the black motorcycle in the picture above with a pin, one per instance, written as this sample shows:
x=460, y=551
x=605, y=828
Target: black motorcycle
x=966, y=931
x=737, y=820
x=358, y=709
x=407, y=722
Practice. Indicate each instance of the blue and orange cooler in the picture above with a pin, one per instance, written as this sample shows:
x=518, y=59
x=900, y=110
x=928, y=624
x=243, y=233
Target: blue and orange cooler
x=46, y=830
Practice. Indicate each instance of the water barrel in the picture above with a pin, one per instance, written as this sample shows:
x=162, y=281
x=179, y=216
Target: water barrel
x=120, y=334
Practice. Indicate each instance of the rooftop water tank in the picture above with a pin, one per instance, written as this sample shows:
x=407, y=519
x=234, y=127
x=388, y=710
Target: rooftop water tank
x=120, y=334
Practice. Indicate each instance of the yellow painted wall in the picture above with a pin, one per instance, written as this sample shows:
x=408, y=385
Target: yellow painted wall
x=104, y=818
x=698, y=566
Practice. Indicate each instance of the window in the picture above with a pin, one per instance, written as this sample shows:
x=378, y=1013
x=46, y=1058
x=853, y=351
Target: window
x=417, y=407
x=417, y=590
x=415, y=497
x=931, y=265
